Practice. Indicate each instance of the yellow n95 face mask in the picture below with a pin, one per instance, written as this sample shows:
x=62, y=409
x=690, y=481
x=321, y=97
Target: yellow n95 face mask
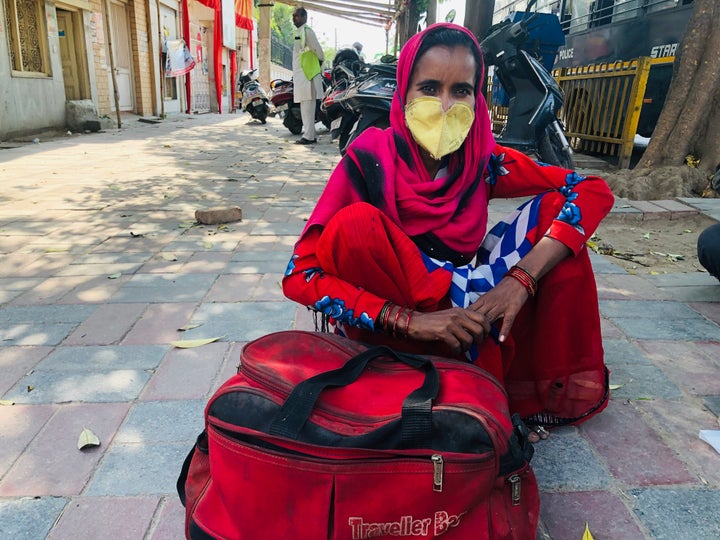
x=437, y=131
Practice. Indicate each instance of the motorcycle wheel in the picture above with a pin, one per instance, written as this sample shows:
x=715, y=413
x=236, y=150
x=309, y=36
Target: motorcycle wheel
x=381, y=122
x=550, y=150
x=262, y=114
x=293, y=120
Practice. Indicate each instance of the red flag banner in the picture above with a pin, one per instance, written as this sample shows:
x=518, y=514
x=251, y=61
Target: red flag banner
x=243, y=14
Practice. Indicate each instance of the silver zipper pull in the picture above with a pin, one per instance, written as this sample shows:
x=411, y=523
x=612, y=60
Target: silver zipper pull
x=437, y=472
x=515, y=489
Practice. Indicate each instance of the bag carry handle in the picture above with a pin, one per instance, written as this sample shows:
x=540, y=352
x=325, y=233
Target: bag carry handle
x=416, y=426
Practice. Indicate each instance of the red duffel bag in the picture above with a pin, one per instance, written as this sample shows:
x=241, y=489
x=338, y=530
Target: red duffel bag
x=320, y=437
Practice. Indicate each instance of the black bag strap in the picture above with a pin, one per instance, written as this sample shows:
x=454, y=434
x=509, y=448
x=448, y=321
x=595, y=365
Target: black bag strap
x=416, y=424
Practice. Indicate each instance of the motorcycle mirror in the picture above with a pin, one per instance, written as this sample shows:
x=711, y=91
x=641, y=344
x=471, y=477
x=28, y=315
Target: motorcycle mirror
x=531, y=3
x=450, y=17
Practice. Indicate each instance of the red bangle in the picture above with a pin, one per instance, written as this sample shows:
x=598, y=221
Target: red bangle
x=386, y=317
x=397, y=316
x=525, y=278
x=407, y=324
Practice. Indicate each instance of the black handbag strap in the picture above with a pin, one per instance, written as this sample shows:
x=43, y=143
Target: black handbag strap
x=416, y=423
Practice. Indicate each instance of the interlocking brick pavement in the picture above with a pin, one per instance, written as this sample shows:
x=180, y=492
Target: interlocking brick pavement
x=102, y=266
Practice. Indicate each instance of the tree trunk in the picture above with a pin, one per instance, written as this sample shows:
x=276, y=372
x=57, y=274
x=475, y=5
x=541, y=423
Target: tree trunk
x=690, y=120
x=478, y=16
x=408, y=22
x=431, y=14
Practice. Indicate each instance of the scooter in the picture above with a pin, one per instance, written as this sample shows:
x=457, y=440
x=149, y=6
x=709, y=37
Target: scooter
x=534, y=95
x=368, y=99
x=345, y=68
x=281, y=96
x=254, y=100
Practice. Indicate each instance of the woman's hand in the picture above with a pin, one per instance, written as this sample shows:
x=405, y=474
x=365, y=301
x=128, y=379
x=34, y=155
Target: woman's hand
x=503, y=301
x=456, y=327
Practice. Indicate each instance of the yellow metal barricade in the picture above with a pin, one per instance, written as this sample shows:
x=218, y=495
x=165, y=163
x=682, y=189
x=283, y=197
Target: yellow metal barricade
x=602, y=105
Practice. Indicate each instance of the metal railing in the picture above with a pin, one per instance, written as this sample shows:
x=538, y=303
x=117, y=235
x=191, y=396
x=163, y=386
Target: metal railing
x=280, y=53
x=602, y=105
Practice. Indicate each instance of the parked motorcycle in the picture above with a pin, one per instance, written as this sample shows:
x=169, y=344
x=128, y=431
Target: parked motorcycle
x=345, y=68
x=281, y=96
x=534, y=95
x=254, y=100
x=367, y=98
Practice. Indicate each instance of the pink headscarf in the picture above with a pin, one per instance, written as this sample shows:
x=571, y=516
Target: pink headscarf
x=384, y=168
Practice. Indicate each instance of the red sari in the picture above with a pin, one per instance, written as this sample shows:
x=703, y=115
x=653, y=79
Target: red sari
x=360, y=249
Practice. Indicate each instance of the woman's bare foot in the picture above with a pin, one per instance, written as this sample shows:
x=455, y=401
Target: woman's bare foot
x=537, y=434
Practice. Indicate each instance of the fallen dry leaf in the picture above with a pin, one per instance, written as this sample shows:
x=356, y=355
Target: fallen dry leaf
x=190, y=343
x=87, y=438
x=189, y=327
x=586, y=535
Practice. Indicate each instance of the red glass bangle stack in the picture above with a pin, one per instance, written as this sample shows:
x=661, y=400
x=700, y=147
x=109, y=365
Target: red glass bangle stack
x=524, y=277
x=399, y=327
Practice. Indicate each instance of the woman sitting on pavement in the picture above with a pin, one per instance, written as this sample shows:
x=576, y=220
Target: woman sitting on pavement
x=388, y=252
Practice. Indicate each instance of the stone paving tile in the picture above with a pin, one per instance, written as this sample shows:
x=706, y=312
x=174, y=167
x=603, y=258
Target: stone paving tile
x=566, y=462
x=609, y=330
x=29, y=334
x=242, y=321
x=95, y=290
x=20, y=424
x=705, y=293
x=645, y=462
x=88, y=386
x=278, y=229
x=18, y=284
x=709, y=310
x=176, y=421
x=114, y=258
x=233, y=288
x=186, y=373
x=164, y=288
x=49, y=291
x=52, y=463
x=260, y=267
x=129, y=244
x=15, y=265
x=679, y=424
x=104, y=517
x=682, y=280
x=564, y=515
x=29, y=518
x=160, y=324
x=212, y=262
x=646, y=309
x=677, y=210
x=103, y=358
x=107, y=325
x=15, y=362
x=139, y=469
x=47, y=265
x=269, y=289
x=635, y=375
x=672, y=514
x=712, y=403
x=682, y=329
x=690, y=365
x=170, y=522
x=166, y=262
x=627, y=287
x=45, y=314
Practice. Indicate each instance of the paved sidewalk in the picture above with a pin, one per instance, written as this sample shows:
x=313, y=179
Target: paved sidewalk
x=101, y=264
